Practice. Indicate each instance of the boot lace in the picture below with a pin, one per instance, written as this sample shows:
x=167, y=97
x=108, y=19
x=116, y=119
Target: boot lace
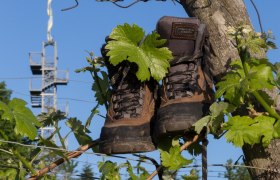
x=182, y=80
x=127, y=95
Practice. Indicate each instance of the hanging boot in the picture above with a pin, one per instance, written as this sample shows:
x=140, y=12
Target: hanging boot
x=186, y=91
x=131, y=110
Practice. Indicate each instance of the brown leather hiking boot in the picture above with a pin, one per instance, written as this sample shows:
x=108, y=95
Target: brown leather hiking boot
x=186, y=91
x=131, y=109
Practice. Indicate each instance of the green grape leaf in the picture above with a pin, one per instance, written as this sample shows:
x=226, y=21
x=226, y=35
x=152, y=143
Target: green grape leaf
x=264, y=128
x=195, y=149
x=276, y=133
x=175, y=141
x=158, y=57
x=130, y=171
x=6, y=111
x=150, y=56
x=200, y=124
x=220, y=108
x=102, y=93
x=276, y=67
x=277, y=80
x=26, y=122
x=217, y=111
x=49, y=119
x=237, y=67
x=173, y=160
x=232, y=87
x=109, y=170
x=213, y=121
x=240, y=131
x=251, y=131
x=192, y=176
x=94, y=111
x=260, y=77
x=144, y=175
x=165, y=143
x=79, y=131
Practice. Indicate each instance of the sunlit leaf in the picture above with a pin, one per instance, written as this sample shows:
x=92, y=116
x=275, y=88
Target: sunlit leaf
x=6, y=111
x=101, y=88
x=240, y=131
x=26, y=122
x=150, y=56
x=173, y=159
x=79, y=131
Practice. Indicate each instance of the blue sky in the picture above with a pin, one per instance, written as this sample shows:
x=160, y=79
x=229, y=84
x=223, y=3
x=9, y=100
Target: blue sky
x=24, y=28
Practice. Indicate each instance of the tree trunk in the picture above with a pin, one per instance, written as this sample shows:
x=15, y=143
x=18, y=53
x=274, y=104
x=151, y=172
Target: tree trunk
x=218, y=15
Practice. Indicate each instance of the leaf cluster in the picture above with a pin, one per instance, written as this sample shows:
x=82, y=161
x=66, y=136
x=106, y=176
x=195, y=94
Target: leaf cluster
x=130, y=43
x=236, y=86
x=244, y=129
x=243, y=87
x=170, y=154
x=100, y=85
x=111, y=170
x=26, y=123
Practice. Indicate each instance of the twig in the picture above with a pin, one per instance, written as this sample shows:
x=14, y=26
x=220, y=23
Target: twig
x=69, y=155
x=183, y=147
x=72, y=7
x=148, y=158
x=155, y=163
x=258, y=14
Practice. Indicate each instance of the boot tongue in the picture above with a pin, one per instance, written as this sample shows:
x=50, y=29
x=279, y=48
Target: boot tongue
x=180, y=33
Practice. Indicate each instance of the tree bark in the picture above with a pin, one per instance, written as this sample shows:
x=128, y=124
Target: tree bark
x=218, y=15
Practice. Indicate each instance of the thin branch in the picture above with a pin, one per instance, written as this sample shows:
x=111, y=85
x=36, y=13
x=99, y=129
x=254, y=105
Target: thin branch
x=69, y=156
x=5, y=151
x=25, y=162
x=148, y=158
x=258, y=14
x=72, y=7
x=127, y=6
x=35, y=157
x=183, y=147
x=65, y=150
x=13, y=167
x=62, y=141
x=155, y=163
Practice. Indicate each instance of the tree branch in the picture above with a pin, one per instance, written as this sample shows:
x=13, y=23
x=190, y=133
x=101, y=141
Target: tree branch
x=69, y=155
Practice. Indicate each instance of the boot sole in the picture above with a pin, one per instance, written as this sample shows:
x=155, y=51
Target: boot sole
x=176, y=119
x=126, y=139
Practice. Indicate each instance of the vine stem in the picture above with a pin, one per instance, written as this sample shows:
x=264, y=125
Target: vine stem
x=24, y=161
x=69, y=156
x=183, y=147
x=5, y=151
x=245, y=55
x=59, y=135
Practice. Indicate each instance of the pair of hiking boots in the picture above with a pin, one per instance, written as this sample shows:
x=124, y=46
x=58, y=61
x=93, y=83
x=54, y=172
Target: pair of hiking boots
x=142, y=112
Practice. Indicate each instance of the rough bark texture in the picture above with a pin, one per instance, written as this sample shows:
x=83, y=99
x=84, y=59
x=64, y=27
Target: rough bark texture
x=218, y=15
